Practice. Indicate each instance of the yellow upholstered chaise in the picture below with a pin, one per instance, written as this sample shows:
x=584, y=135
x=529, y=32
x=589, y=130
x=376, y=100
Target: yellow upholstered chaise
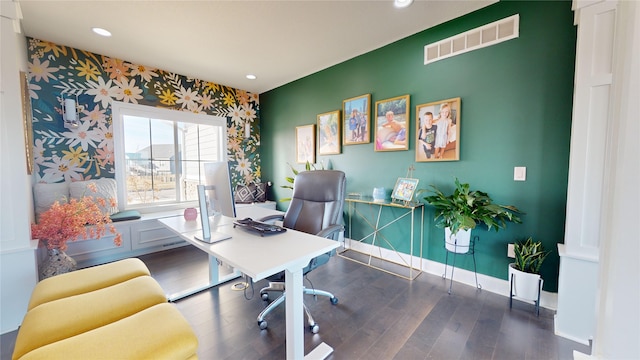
x=89, y=279
x=166, y=335
x=128, y=317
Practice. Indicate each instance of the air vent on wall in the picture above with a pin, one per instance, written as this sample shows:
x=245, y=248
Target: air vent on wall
x=490, y=34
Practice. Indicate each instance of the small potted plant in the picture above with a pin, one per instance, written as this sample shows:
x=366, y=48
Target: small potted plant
x=524, y=273
x=461, y=211
x=290, y=179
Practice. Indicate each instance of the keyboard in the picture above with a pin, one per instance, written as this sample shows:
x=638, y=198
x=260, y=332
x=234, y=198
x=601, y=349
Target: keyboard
x=260, y=227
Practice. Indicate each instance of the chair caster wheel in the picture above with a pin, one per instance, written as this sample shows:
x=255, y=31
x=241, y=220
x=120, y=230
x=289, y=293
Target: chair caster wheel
x=314, y=328
x=262, y=324
x=334, y=300
x=265, y=296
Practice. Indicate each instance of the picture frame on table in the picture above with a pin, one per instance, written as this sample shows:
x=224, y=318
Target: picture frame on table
x=329, y=133
x=404, y=189
x=391, y=124
x=306, y=144
x=356, y=116
x=438, y=131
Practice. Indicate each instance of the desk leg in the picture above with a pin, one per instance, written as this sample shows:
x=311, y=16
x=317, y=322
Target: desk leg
x=294, y=314
x=214, y=280
x=295, y=320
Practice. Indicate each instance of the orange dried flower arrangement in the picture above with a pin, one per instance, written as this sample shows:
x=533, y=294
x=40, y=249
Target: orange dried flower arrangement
x=81, y=218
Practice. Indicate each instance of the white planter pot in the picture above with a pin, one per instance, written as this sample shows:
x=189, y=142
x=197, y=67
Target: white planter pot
x=458, y=242
x=525, y=285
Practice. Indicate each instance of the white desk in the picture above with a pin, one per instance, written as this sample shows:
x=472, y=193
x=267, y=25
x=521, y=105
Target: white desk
x=261, y=256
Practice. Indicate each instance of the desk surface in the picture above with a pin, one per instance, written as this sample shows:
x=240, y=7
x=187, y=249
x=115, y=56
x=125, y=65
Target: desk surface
x=255, y=255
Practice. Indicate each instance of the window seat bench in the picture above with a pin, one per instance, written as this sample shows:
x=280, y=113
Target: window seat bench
x=125, y=215
x=141, y=232
x=140, y=236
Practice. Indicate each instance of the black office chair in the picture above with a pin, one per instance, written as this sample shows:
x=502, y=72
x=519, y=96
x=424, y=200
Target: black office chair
x=315, y=208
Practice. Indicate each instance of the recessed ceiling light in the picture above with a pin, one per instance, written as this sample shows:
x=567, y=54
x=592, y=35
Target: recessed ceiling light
x=101, y=31
x=402, y=3
x=251, y=77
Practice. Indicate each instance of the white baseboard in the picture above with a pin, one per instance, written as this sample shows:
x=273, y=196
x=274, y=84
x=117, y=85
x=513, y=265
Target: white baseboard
x=548, y=300
x=568, y=336
x=577, y=355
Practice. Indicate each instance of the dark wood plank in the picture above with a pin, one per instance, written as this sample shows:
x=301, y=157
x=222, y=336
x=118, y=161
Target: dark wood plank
x=379, y=316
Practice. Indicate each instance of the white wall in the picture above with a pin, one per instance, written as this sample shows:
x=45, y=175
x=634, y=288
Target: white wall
x=18, y=268
x=618, y=308
x=579, y=255
x=599, y=280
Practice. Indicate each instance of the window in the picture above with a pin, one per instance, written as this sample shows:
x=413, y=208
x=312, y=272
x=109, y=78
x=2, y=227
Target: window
x=159, y=154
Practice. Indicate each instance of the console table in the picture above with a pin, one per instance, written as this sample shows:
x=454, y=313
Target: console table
x=387, y=259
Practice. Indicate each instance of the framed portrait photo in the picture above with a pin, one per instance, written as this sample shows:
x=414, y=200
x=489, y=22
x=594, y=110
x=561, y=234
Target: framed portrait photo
x=391, y=124
x=329, y=133
x=404, y=189
x=438, y=131
x=306, y=144
x=356, y=115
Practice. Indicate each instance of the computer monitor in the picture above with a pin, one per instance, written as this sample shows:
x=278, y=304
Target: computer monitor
x=216, y=199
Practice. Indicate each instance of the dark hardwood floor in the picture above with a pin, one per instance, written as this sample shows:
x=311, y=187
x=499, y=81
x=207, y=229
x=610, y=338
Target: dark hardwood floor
x=379, y=316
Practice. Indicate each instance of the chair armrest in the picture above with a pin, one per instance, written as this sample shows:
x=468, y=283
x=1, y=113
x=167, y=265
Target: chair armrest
x=271, y=218
x=331, y=231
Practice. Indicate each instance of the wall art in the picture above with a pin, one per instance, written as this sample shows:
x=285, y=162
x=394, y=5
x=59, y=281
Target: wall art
x=392, y=124
x=329, y=133
x=356, y=115
x=306, y=144
x=27, y=120
x=438, y=131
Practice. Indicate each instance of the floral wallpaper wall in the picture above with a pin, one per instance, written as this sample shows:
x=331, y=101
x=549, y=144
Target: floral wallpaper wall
x=86, y=152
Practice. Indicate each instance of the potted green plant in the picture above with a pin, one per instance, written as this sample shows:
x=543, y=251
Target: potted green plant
x=524, y=273
x=461, y=211
x=290, y=179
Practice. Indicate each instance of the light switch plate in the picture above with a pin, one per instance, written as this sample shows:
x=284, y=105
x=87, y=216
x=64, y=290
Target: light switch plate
x=510, y=252
x=519, y=173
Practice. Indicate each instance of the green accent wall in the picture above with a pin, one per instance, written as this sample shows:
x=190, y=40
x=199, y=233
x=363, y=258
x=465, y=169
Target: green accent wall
x=516, y=103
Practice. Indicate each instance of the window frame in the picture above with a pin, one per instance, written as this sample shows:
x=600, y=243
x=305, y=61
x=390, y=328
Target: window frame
x=120, y=109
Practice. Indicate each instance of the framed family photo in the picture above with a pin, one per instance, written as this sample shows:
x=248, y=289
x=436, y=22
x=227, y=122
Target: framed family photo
x=306, y=144
x=391, y=124
x=355, y=120
x=438, y=131
x=329, y=133
x=404, y=189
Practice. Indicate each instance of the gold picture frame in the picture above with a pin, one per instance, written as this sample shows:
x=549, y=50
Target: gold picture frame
x=404, y=190
x=329, y=133
x=27, y=120
x=356, y=116
x=392, y=124
x=306, y=144
x=438, y=131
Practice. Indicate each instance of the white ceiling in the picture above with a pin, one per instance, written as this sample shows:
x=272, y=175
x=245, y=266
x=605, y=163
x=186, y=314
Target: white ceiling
x=222, y=41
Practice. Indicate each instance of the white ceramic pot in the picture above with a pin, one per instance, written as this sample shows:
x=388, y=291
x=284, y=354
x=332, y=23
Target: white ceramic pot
x=525, y=285
x=458, y=242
